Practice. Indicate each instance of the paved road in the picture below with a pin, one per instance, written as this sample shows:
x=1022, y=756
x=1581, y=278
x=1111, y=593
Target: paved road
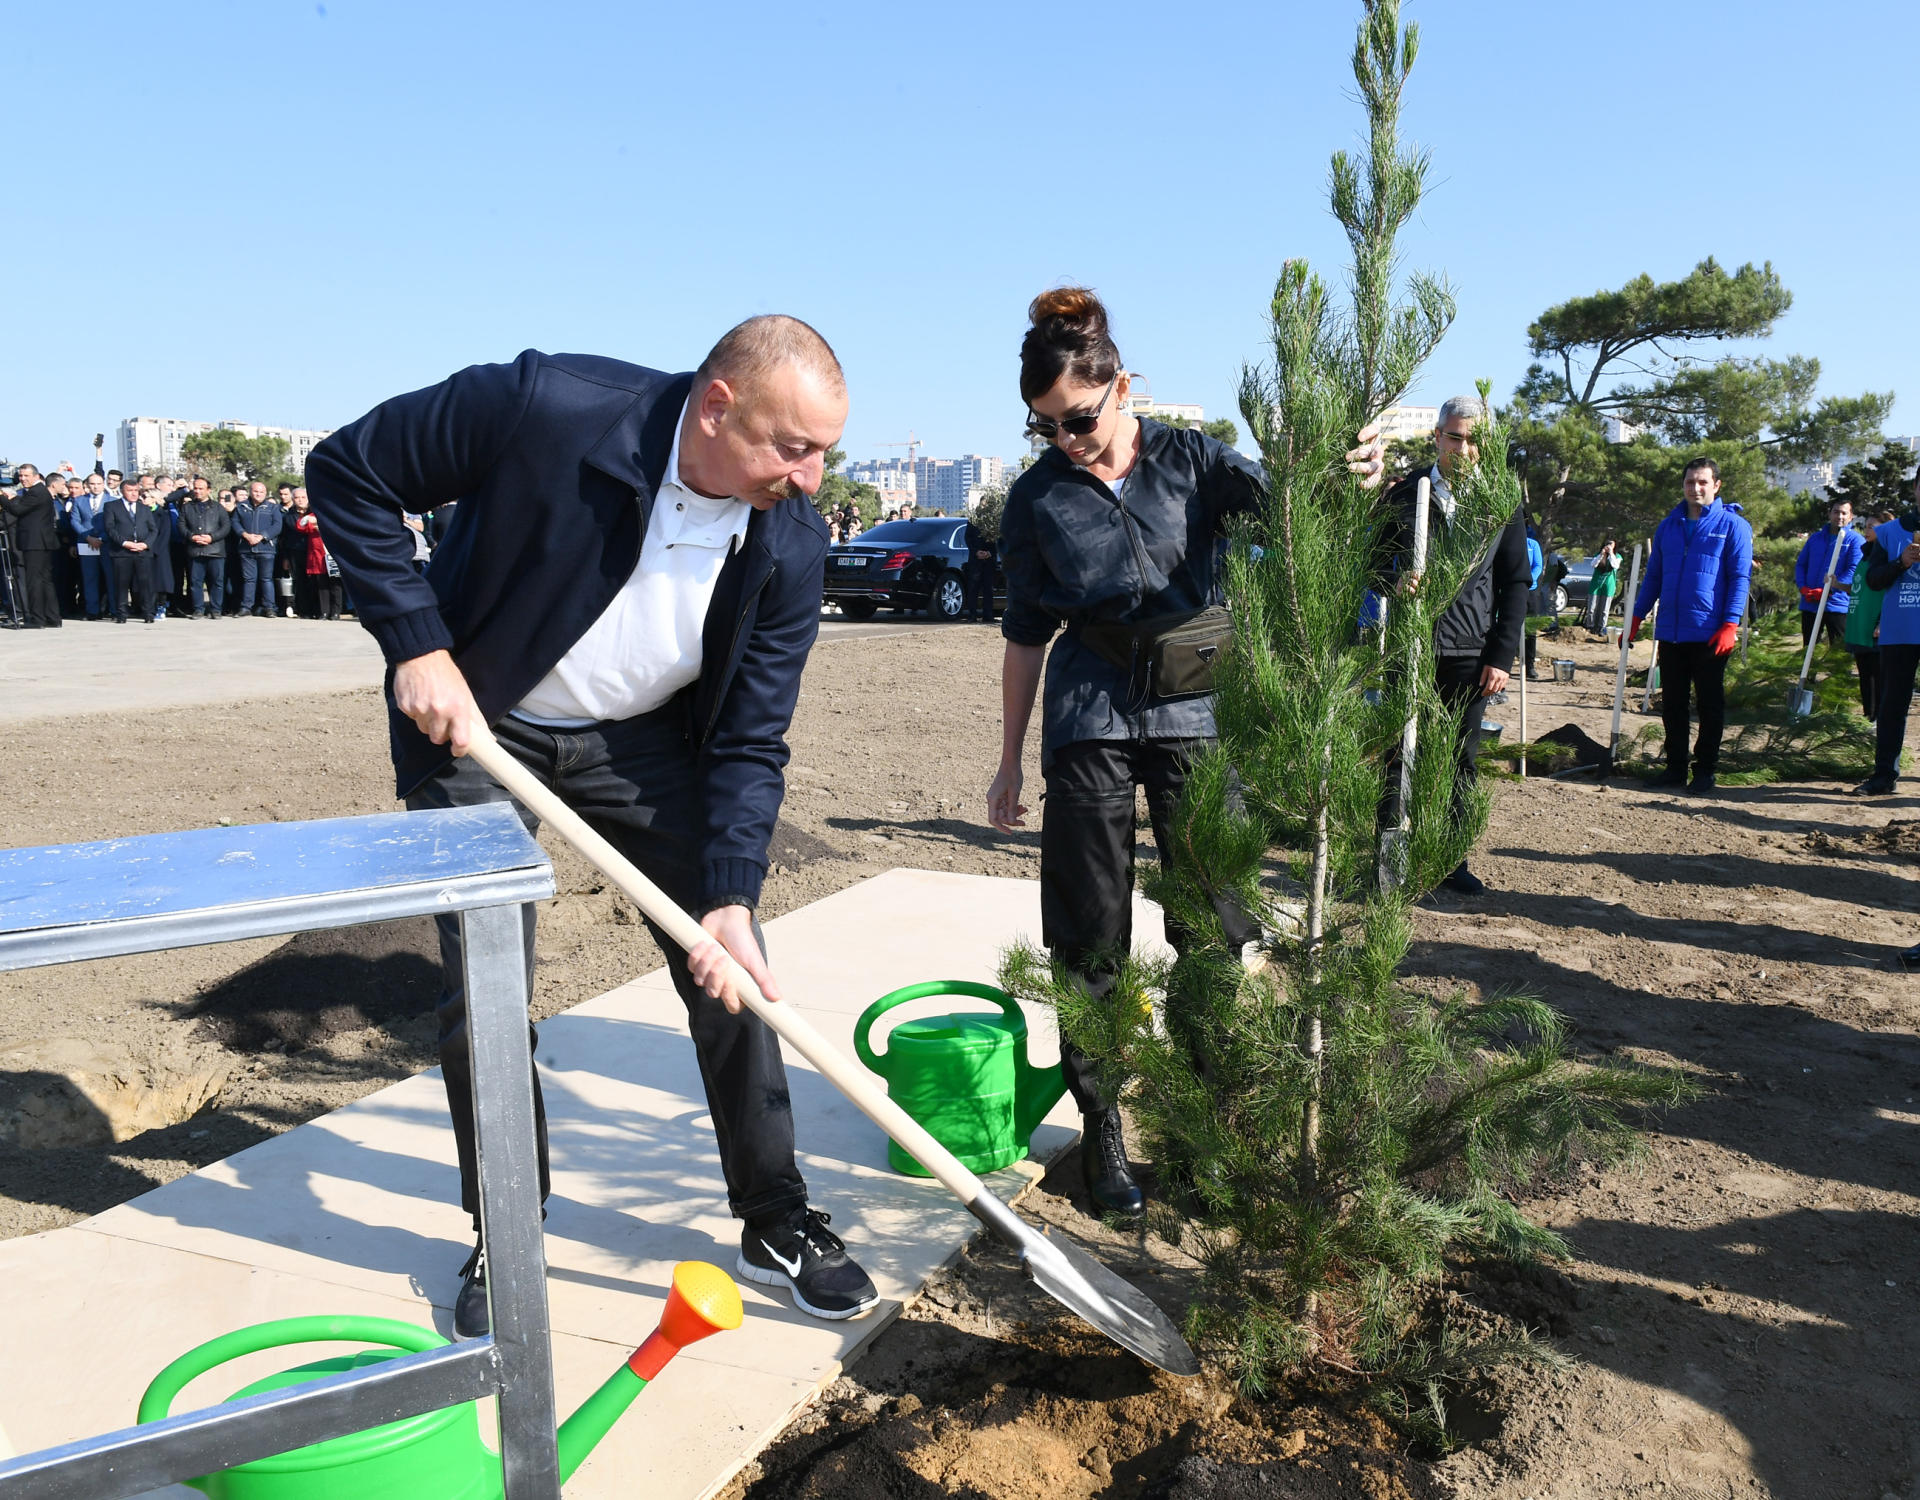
x=90, y=666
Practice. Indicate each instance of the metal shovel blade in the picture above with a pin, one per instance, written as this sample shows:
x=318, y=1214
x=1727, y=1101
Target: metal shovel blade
x=1800, y=702
x=1080, y=1283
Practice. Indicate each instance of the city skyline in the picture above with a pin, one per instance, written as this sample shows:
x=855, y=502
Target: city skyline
x=434, y=230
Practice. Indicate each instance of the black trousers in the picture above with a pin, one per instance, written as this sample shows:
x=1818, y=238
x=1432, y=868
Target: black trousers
x=1086, y=866
x=977, y=578
x=634, y=782
x=1832, y=626
x=1691, y=665
x=1866, y=661
x=39, y=597
x=1897, y=666
x=326, y=595
x=1457, y=678
x=132, y=571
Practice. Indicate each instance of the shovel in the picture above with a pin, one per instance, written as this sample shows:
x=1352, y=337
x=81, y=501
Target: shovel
x=1800, y=698
x=1062, y=1269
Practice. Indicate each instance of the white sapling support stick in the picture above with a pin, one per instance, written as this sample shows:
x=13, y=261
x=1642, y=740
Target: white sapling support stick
x=1393, y=841
x=1620, y=671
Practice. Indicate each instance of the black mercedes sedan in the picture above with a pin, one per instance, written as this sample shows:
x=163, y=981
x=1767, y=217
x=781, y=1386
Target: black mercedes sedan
x=904, y=565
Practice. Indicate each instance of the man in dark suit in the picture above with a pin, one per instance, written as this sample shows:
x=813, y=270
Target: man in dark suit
x=978, y=572
x=628, y=598
x=130, y=530
x=36, y=536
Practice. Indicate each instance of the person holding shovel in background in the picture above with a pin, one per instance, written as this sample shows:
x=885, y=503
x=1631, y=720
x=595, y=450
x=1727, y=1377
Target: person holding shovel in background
x=1890, y=568
x=1699, y=571
x=1810, y=572
x=1476, y=638
x=627, y=597
x=1113, y=533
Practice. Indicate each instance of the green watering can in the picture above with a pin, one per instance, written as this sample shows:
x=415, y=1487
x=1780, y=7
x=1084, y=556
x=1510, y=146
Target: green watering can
x=964, y=1077
x=437, y=1455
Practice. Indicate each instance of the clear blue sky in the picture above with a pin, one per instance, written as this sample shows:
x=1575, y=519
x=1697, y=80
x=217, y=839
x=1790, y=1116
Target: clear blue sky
x=283, y=212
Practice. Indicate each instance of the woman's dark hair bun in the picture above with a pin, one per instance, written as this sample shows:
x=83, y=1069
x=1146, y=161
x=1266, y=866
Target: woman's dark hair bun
x=1071, y=303
x=1068, y=337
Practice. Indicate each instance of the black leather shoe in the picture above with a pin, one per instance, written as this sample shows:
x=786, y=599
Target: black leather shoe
x=1103, y=1161
x=1464, y=882
x=1672, y=776
x=471, y=1317
x=1703, y=784
x=1875, y=786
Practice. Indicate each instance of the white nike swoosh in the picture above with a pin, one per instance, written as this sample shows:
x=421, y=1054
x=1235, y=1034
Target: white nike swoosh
x=791, y=1267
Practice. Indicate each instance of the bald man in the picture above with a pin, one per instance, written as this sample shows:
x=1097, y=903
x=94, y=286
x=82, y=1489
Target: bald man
x=627, y=596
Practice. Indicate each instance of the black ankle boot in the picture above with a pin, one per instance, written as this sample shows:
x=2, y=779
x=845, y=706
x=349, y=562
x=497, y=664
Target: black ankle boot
x=1103, y=1161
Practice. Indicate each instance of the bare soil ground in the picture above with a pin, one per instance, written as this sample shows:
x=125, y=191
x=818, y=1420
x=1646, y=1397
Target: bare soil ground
x=1741, y=1311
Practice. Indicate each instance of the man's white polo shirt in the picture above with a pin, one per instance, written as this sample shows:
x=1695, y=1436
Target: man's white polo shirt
x=645, y=646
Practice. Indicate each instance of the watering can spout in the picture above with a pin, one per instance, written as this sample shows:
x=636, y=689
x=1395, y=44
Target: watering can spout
x=702, y=1300
x=1037, y=1090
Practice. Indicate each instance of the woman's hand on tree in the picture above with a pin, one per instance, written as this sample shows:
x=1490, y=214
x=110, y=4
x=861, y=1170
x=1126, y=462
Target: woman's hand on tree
x=1368, y=460
x=1004, y=807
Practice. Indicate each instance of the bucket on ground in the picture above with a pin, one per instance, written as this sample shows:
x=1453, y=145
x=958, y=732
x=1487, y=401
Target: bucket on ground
x=965, y=1076
x=1562, y=669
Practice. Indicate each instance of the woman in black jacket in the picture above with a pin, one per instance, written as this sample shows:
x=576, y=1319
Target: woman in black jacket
x=1114, y=534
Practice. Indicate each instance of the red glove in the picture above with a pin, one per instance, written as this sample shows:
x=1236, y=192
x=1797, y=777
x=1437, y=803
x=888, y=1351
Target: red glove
x=1633, y=631
x=1812, y=596
x=1725, y=638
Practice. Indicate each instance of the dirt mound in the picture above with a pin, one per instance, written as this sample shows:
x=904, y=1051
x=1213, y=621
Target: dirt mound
x=1582, y=748
x=324, y=984
x=1900, y=836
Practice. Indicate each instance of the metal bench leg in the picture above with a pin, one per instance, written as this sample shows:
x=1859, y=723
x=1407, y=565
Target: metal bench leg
x=496, y=985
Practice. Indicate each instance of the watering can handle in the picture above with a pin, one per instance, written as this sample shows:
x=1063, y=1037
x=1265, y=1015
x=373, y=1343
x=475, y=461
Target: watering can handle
x=159, y=1397
x=933, y=989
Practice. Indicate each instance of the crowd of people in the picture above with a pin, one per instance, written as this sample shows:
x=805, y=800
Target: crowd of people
x=155, y=546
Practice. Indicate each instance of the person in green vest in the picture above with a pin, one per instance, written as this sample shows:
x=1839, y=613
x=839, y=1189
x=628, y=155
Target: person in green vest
x=1606, y=583
x=1863, y=638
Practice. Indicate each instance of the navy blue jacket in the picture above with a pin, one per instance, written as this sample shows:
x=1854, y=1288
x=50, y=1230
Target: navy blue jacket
x=263, y=520
x=1700, y=582
x=121, y=523
x=548, y=457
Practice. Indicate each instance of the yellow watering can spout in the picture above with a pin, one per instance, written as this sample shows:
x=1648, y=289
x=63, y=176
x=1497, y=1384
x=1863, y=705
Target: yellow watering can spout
x=701, y=1301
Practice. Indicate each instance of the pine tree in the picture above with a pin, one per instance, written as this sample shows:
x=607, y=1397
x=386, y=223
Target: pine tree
x=1328, y=1133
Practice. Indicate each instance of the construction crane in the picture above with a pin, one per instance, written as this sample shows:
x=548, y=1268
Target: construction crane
x=912, y=445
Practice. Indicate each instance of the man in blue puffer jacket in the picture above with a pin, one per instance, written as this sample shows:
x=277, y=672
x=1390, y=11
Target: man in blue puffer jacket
x=1810, y=572
x=1699, y=572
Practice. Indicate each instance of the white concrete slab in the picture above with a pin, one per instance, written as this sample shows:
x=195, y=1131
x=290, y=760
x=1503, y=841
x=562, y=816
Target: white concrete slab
x=357, y=1211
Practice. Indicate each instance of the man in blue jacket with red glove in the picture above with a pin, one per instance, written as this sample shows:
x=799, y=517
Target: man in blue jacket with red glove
x=628, y=597
x=1839, y=542
x=1699, y=572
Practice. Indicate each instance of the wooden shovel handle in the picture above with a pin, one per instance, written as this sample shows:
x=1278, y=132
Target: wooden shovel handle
x=787, y=1022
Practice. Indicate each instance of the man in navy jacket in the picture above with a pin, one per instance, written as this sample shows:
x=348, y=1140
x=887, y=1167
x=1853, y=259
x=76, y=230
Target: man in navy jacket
x=628, y=596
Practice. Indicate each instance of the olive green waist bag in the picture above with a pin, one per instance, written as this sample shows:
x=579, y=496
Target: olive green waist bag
x=1173, y=656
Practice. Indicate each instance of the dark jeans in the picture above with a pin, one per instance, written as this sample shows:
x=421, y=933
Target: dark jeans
x=1897, y=664
x=206, y=584
x=1832, y=626
x=1086, y=866
x=1457, y=678
x=977, y=577
x=1866, y=661
x=256, y=583
x=39, y=598
x=634, y=782
x=132, y=572
x=1692, y=665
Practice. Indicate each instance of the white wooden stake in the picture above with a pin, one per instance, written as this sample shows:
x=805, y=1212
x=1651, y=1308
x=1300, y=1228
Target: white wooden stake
x=1620, y=671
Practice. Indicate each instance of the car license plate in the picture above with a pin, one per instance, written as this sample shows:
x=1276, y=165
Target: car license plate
x=853, y=562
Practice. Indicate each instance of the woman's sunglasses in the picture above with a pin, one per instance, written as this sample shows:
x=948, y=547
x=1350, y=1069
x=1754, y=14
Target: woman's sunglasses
x=1080, y=426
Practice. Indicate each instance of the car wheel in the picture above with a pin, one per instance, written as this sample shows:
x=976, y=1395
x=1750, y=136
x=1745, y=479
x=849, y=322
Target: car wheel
x=949, y=598
x=859, y=609
x=1559, y=601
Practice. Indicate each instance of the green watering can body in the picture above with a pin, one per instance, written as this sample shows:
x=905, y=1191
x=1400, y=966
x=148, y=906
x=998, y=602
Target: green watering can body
x=965, y=1077
x=437, y=1455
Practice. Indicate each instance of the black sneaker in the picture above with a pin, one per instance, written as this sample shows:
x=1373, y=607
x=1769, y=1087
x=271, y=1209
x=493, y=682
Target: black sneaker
x=472, y=1318
x=1875, y=786
x=1672, y=776
x=800, y=1253
x=1703, y=784
x=1465, y=883
x=1103, y=1162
